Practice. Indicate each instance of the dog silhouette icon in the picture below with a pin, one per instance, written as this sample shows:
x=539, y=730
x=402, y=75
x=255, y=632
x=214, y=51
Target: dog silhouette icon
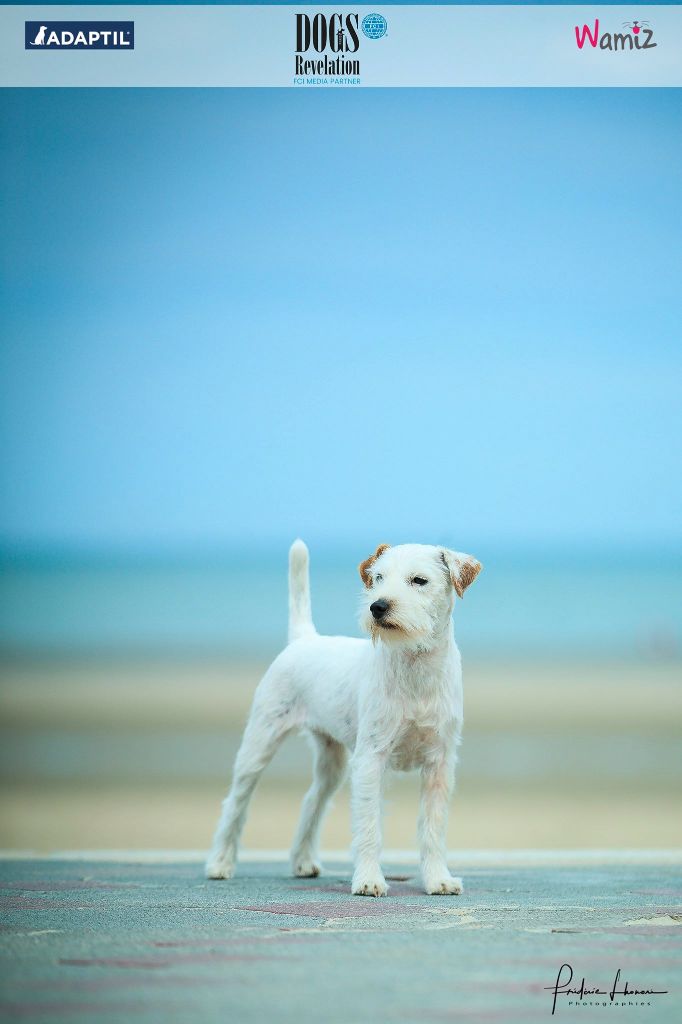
x=40, y=38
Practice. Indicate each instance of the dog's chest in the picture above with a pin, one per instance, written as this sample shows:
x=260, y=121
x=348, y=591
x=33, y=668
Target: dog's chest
x=421, y=737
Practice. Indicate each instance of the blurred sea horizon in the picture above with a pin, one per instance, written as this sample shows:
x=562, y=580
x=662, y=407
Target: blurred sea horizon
x=588, y=602
x=127, y=678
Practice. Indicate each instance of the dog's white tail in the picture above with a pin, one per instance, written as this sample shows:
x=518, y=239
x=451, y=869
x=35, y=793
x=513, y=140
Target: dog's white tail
x=300, y=614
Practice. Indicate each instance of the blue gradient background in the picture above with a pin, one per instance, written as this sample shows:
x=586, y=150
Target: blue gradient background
x=236, y=315
x=233, y=317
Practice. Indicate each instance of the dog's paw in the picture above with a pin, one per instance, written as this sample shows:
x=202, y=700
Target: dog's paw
x=369, y=885
x=444, y=886
x=219, y=867
x=304, y=867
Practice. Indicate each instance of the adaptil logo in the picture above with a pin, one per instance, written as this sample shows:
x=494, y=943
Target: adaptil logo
x=79, y=35
x=637, y=35
x=326, y=45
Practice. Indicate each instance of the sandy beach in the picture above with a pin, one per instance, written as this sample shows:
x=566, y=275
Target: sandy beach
x=124, y=754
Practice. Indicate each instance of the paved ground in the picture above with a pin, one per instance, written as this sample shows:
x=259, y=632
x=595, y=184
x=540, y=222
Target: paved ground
x=123, y=941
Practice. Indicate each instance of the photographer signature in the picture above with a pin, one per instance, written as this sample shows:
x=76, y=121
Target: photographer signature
x=561, y=987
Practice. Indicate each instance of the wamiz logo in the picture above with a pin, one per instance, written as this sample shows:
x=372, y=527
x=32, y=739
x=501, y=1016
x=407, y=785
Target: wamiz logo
x=79, y=35
x=638, y=35
x=324, y=43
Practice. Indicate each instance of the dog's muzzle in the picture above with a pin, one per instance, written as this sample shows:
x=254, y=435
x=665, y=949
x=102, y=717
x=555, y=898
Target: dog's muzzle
x=379, y=609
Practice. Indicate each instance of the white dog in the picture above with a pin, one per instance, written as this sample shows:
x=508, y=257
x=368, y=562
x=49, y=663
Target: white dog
x=393, y=701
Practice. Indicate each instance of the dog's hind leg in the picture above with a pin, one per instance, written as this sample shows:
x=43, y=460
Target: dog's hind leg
x=329, y=770
x=265, y=730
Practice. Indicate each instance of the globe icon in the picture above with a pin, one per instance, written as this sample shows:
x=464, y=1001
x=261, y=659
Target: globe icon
x=374, y=26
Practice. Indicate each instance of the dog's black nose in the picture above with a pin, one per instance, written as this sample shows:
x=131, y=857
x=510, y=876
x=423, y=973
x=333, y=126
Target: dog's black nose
x=379, y=608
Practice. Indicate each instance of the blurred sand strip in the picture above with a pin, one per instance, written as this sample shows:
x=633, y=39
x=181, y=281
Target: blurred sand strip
x=208, y=695
x=72, y=817
x=556, y=755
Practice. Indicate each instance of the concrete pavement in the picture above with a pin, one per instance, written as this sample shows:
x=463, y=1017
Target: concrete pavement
x=149, y=940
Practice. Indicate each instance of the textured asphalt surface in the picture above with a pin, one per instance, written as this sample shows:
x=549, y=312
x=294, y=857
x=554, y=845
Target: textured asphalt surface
x=126, y=942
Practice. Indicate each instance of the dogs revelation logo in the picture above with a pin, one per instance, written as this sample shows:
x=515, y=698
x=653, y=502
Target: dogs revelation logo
x=79, y=35
x=326, y=46
x=637, y=35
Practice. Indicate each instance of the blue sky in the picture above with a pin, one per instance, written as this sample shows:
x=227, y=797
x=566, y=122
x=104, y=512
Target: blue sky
x=233, y=316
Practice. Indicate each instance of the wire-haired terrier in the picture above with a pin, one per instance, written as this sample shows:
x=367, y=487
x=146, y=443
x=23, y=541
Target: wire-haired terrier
x=394, y=700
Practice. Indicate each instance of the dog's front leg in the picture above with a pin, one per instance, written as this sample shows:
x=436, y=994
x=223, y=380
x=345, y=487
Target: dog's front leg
x=436, y=789
x=367, y=772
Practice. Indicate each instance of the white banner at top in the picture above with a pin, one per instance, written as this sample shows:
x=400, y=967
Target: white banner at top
x=347, y=47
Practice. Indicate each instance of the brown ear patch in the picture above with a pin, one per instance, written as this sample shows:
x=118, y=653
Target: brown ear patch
x=365, y=566
x=467, y=574
x=463, y=569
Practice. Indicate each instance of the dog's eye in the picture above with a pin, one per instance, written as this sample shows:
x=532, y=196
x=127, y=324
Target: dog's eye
x=378, y=578
x=419, y=581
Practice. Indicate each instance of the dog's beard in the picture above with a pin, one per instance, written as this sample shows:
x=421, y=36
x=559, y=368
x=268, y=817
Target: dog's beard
x=397, y=630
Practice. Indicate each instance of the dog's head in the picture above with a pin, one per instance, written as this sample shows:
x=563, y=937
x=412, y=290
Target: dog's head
x=410, y=591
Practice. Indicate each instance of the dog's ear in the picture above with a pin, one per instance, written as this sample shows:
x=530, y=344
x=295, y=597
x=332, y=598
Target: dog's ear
x=365, y=566
x=463, y=569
